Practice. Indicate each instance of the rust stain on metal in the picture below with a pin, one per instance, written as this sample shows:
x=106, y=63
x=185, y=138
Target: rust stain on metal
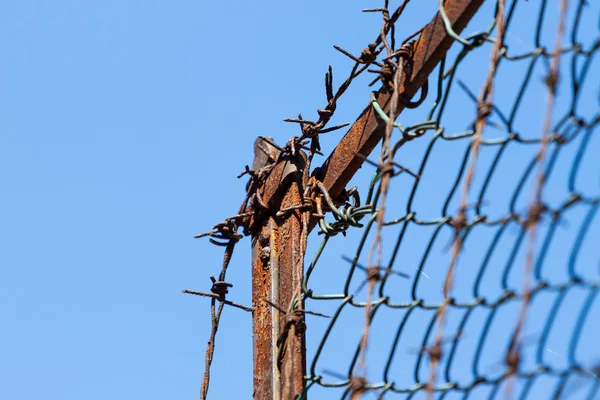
x=261, y=315
x=277, y=271
x=264, y=249
x=291, y=271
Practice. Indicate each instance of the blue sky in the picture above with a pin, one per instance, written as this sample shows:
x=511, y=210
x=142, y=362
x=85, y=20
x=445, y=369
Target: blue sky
x=123, y=127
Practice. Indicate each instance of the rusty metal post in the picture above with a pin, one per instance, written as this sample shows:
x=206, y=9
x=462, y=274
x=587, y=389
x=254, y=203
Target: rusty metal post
x=277, y=253
x=277, y=271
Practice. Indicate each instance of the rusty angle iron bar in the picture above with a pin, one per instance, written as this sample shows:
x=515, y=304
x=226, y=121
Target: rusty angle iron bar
x=367, y=131
x=277, y=263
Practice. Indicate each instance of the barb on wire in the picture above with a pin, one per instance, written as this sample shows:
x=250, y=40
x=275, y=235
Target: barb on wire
x=218, y=291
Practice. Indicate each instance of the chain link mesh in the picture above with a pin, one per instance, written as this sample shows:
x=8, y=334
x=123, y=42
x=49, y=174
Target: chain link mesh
x=472, y=267
x=483, y=347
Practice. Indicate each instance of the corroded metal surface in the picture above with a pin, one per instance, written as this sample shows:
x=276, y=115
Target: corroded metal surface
x=265, y=324
x=277, y=271
x=262, y=319
x=279, y=177
x=291, y=271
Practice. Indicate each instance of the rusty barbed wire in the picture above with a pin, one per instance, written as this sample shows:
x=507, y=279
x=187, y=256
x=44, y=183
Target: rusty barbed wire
x=226, y=233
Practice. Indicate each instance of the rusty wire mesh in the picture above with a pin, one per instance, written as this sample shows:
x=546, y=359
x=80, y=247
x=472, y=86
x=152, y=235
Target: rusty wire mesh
x=481, y=347
x=437, y=296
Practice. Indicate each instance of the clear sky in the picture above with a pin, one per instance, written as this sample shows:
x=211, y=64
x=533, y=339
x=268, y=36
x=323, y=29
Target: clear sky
x=123, y=126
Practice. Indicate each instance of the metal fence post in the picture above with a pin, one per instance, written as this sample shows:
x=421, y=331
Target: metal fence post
x=277, y=271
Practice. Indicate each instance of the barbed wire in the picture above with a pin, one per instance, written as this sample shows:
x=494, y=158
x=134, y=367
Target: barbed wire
x=225, y=235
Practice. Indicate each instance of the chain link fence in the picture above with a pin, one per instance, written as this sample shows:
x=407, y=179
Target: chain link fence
x=469, y=261
x=515, y=321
